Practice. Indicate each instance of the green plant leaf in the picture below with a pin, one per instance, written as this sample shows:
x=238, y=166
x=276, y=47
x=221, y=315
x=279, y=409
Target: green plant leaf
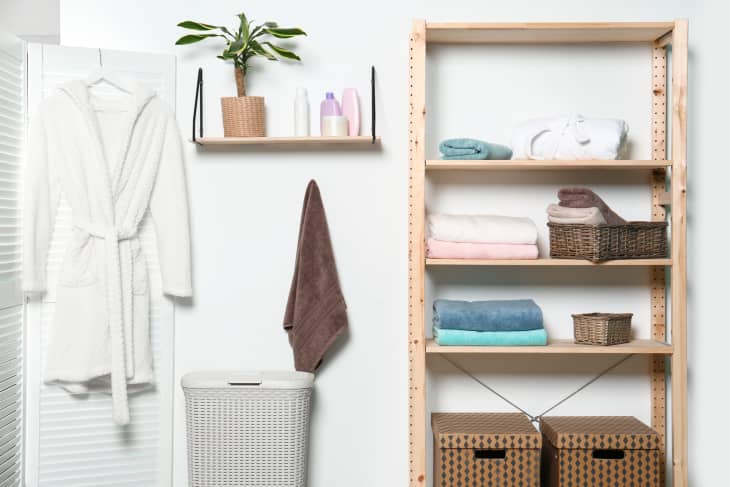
x=236, y=46
x=271, y=25
x=192, y=38
x=285, y=33
x=261, y=51
x=285, y=53
x=243, y=28
x=190, y=24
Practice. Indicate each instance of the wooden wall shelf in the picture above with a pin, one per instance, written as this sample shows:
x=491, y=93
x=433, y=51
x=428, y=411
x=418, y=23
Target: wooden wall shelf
x=549, y=262
x=527, y=165
x=546, y=33
x=559, y=347
x=294, y=142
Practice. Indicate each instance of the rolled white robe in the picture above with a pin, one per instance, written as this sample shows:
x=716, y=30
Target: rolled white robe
x=584, y=216
x=482, y=228
x=569, y=137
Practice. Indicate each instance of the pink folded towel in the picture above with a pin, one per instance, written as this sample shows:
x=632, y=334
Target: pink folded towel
x=440, y=249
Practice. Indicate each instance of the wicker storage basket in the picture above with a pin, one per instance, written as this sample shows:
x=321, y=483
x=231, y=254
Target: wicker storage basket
x=634, y=240
x=247, y=428
x=602, y=328
x=485, y=449
x=243, y=116
x=599, y=451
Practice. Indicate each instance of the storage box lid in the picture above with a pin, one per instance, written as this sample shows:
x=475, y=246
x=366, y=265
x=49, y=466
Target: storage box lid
x=605, y=432
x=267, y=379
x=484, y=431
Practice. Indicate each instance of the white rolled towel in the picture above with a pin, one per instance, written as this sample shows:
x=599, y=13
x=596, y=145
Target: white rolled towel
x=585, y=216
x=482, y=229
x=569, y=137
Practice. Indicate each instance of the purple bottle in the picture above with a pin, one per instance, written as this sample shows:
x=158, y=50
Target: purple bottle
x=328, y=107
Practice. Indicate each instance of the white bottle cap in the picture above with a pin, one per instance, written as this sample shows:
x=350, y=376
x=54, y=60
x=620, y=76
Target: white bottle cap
x=301, y=92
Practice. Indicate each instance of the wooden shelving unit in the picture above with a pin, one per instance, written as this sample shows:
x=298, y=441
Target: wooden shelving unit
x=664, y=173
x=294, y=142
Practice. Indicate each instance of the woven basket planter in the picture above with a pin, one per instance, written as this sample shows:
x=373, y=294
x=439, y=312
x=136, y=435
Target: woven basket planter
x=602, y=328
x=634, y=240
x=243, y=116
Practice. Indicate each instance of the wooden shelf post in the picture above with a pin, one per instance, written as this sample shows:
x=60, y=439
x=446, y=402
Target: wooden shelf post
x=416, y=258
x=679, y=253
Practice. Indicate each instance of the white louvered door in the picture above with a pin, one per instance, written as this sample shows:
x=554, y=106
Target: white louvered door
x=72, y=441
x=12, y=123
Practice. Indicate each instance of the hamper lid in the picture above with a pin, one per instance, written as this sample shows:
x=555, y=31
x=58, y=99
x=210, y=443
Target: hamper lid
x=584, y=432
x=484, y=430
x=267, y=379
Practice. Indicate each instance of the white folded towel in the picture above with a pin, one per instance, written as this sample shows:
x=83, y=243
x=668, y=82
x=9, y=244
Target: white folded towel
x=569, y=137
x=585, y=216
x=482, y=229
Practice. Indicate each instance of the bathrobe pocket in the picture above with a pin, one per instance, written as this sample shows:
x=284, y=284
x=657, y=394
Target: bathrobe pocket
x=140, y=279
x=79, y=267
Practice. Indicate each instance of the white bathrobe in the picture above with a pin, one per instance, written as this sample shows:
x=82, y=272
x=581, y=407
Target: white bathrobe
x=112, y=165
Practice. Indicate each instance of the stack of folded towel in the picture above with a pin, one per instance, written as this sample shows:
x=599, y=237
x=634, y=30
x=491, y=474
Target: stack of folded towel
x=473, y=149
x=582, y=206
x=488, y=323
x=480, y=237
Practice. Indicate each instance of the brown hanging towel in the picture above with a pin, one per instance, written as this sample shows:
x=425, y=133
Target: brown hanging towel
x=316, y=312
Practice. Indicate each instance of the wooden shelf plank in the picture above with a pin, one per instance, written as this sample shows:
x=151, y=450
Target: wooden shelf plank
x=360, y=140
x=549, y=262
x=525, y=165
x=546, y=33
x=560, y=347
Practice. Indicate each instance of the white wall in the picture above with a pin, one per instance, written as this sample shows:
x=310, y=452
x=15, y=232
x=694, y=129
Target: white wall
x=32, y=20
x=245, y=209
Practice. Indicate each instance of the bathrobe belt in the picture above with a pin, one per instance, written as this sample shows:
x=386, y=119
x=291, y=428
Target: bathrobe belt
x=115, y=310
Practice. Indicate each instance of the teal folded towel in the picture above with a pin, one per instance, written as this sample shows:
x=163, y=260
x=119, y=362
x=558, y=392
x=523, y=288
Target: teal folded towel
x=495, y=315
x=473, y=149
x=490, y=338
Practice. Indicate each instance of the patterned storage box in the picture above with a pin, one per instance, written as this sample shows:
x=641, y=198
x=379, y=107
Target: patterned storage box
x=485, y=450
x=599, y=451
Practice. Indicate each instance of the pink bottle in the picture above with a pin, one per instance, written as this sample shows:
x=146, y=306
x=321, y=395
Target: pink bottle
x=351, y=109
x=328, y=107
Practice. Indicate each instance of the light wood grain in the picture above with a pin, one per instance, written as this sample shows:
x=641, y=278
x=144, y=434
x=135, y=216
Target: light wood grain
x=659, y=198
x=559, y=347
x=549, y=262
x=546, y=33
x=679, y=253
x=360, y=140
x=531, y=165
x=416, y=250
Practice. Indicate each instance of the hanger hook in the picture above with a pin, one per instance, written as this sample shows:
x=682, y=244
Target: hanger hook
x=101, y=64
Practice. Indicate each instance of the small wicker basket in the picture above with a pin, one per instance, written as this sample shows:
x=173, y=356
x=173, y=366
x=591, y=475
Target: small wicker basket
x=243, y=116
x=602, y=328
x=634, y=240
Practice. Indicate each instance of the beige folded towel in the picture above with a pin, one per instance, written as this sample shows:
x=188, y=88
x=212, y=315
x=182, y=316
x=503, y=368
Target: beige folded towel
x=585, y=216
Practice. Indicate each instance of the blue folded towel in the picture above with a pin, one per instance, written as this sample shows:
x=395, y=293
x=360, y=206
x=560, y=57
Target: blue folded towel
x=507, y=315
x=490, y=338
x=473, y=149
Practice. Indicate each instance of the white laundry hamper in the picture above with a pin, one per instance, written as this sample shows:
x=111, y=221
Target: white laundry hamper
x=247, y=428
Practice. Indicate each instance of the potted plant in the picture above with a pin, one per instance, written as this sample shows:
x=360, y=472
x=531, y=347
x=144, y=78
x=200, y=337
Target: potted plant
x=243, y=116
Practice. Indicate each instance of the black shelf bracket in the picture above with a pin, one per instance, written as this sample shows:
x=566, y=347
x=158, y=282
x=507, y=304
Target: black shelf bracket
x=372, y=102
x=198, y=103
